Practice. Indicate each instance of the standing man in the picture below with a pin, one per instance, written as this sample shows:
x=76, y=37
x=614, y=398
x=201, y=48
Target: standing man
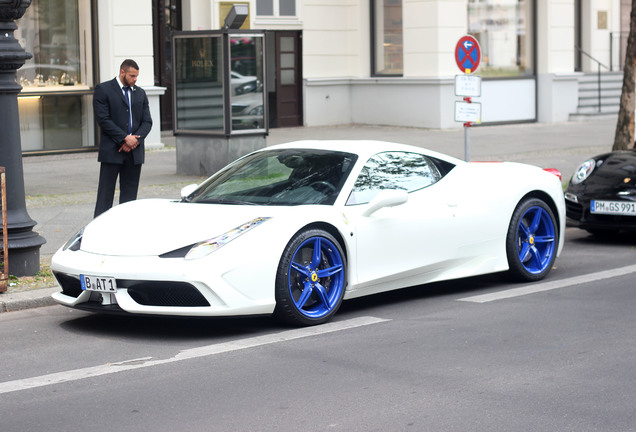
x=122, y=112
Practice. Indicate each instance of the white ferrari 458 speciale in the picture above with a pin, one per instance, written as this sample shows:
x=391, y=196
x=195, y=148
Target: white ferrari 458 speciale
x=294, y=229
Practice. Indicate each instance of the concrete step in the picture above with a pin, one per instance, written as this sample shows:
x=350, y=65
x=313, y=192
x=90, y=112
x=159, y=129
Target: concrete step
x=592, y=87
x=611, y=88
x=605, y=77
x=606, y=99
x=585, y=117
x=593, y=109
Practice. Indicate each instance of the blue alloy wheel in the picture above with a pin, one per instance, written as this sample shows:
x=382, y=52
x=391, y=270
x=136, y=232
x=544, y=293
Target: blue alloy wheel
x=311, y=279
x=532, y=240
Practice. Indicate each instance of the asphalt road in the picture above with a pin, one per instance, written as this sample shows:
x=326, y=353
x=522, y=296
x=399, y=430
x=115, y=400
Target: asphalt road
x=472, y=355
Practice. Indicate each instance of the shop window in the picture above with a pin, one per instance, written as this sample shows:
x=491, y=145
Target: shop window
x=51, y=122
x=246, y=79
x=505, y=31
x=386, y=52
x=50, y=30
x=202, y=103
x=277, y=8
x=199, y=84
x=55, y=99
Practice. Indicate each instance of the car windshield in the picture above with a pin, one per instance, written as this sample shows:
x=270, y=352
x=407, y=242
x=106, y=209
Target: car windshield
x=278, y=177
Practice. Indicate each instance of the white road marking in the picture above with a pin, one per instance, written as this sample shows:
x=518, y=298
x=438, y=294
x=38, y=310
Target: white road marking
x=547, y=286
x=204, y=351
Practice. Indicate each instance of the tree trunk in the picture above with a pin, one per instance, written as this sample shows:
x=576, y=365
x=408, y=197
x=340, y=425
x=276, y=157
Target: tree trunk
x=624, y=137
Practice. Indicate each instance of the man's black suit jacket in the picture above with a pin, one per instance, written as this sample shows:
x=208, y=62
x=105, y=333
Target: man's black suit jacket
x=111, y=113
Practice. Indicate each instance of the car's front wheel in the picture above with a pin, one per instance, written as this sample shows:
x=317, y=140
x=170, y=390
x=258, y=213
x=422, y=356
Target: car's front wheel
x=311, y=278
x=532, y=241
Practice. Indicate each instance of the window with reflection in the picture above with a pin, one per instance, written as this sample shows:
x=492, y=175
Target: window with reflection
x=504, y=29
x=246, y=80
x=393, y=170
x=386, y=37
x=50, y=31
x=199, y=83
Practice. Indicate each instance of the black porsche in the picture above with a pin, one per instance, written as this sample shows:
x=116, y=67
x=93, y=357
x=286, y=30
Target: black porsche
x=601, y=196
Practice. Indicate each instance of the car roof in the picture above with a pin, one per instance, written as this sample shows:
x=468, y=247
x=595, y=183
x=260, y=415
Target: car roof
x=363, y=148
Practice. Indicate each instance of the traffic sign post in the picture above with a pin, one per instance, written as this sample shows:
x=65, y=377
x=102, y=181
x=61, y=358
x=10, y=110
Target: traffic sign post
x=467, y=57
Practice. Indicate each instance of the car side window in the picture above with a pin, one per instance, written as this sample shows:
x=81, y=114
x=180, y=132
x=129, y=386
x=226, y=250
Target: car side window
x=393, y=170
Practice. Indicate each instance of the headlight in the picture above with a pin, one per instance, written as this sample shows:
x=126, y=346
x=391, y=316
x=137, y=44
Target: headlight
x=204, y=248
x=75, y=242
x=583, y=171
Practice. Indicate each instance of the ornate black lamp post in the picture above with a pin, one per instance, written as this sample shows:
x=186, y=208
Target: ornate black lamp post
x=24, y=243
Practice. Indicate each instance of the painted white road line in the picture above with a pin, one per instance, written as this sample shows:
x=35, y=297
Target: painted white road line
x=209, y=350
x=547, y=286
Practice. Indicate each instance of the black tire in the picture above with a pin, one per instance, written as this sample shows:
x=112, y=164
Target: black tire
x=532, y=240
x=311, y=279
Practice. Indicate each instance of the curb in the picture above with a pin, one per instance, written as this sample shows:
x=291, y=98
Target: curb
x=26, y=300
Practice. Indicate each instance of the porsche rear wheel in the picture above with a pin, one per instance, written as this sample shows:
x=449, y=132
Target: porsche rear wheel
x=532, y=241
x=311, y=278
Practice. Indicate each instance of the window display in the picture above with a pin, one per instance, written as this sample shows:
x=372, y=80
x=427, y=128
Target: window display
x=50, y=31
x=54, y=104
x=202, y=103
x=198, y=84
x=246, y=78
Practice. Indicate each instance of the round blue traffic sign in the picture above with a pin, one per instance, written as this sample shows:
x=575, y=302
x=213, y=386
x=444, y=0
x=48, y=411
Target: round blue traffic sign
x=467, y=54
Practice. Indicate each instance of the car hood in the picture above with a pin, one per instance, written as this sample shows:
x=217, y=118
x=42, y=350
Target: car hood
x=153, y=227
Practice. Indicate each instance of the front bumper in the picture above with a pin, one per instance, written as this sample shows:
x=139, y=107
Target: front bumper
x=579, y=215
x=159, y=286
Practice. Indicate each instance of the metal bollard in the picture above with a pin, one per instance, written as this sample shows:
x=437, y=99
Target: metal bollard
x=4, y=253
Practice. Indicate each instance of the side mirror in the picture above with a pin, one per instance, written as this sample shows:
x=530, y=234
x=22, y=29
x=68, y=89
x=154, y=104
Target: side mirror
x=187, y=190
x=386, y=198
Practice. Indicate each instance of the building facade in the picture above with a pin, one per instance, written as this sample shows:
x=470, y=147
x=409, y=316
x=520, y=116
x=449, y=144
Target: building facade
x=382, y=62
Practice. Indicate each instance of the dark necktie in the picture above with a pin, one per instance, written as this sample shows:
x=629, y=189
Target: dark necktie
x=127, y=90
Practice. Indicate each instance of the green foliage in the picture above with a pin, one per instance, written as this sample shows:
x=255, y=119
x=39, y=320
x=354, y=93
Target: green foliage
x=42, y=279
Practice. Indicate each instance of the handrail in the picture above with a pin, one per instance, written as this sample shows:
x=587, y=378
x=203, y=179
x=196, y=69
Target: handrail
x=612, y=36
x=599, y=73
x=578, y=48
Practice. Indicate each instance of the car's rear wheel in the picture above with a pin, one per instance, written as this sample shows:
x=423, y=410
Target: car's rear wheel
x=532, y=241
x=311, y=278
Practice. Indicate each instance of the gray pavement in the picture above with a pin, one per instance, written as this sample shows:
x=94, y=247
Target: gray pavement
x=61, y=189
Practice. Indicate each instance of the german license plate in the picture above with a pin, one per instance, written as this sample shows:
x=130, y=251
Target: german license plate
x=613, y=207
x=98, y=283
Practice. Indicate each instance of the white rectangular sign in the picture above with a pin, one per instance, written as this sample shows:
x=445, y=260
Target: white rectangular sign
x=467, y=85
x=467, y=112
